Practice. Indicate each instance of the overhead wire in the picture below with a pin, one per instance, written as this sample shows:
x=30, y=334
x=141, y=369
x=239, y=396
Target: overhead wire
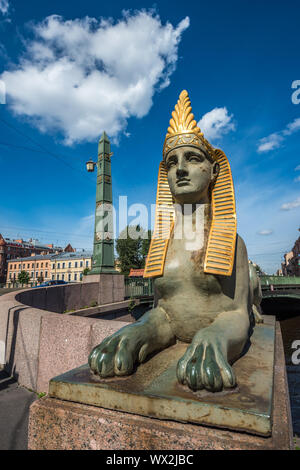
x=44, y=149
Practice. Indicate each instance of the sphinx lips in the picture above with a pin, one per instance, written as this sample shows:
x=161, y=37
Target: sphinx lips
x=182, y=182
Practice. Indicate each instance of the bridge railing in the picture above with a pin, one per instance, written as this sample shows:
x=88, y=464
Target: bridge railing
x=267, y=281
x=138, y=287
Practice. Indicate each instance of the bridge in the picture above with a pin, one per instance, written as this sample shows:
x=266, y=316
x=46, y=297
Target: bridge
x=139, y=288
x=281, y=294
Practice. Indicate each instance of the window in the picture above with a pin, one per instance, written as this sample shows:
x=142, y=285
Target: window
x=58, y=265
x=63, y=277
x=32, y=265
x=36, y=274
x=63, y=265
x=75, y=277
x=28, y=266
x=69, y=277
x=23, y=266
x=53, y=266
x=70, y=265
x=15, y=266
x=37, y=265
x=32, y=274
x=81, y=264
x=76, y=264
x=42, y=265
x=53, y=277
x=57, y=277
x=46, y=274
x=46, y=265
x=19, y=266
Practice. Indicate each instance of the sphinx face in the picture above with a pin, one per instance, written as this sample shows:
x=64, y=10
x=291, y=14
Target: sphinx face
x=190, y=173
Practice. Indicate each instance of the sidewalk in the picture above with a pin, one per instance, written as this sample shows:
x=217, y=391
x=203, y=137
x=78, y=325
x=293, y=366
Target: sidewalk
x=14, y=410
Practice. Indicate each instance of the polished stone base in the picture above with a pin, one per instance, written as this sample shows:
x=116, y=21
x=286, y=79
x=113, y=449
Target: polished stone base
x=153, y=390
x=111, y=286
x=59, y=424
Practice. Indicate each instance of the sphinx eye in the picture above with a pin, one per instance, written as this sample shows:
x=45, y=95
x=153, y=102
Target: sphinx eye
x=196, y=158
x=171, y=163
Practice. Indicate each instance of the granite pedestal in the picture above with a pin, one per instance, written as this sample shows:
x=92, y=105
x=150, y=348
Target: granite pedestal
x=111, y=286
x=60, y=424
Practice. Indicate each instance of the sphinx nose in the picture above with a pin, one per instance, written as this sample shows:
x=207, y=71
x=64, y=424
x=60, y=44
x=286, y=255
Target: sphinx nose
x=181, y=172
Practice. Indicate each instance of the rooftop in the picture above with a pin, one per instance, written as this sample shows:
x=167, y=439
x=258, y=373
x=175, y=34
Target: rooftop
x=32, y=258
x=76, y=255
x=136, y=272
x=53, y=256
x=31, y=243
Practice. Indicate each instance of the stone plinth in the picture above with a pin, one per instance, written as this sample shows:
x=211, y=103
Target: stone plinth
x=111, y=287
x=58, y=424
x=153, y=390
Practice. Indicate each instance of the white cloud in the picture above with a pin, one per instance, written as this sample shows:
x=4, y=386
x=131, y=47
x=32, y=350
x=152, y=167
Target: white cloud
x=216, y=123
x=83, y=76
x=274, y=141
x=297, y=180
x=4, y=6
x=271, y=142
x=265, y=232
x=291, y=205
x=297, y=168
x=292, y=127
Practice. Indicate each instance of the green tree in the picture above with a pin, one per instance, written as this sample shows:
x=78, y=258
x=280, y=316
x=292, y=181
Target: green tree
x=145, y=246
x=258, y=270
x=23, y=277
x=132, y=248
x=85, y=271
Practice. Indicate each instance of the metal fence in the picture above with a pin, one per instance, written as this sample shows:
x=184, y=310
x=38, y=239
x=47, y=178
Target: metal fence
x=138, y=287
x=279, y=280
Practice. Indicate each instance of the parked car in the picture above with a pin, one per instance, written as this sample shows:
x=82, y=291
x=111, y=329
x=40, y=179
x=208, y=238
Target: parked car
x=50, y=283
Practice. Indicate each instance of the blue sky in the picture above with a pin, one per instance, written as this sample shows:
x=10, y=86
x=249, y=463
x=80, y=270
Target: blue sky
x=69, y=77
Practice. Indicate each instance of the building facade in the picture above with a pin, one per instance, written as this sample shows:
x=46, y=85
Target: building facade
x=38, y=267
x=69, y=267
x=66, y=266
x=19, y=248
x=291, y=265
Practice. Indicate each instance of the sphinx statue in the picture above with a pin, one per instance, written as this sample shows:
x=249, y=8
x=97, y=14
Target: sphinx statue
x=207, y=294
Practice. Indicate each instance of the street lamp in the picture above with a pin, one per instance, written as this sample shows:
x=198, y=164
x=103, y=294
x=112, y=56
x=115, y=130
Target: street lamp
x=90, y=166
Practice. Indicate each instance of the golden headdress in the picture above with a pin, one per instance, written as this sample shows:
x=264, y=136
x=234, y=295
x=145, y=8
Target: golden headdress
x=219, y=258
x=183, y=129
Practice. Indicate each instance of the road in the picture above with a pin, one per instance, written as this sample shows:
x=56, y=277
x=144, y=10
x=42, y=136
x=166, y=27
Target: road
x=4, y=290
x=14, y=411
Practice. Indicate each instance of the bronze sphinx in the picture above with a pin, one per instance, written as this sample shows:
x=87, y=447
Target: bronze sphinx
x=206, y=291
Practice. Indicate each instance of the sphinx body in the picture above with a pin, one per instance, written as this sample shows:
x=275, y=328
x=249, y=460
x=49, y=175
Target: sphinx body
x=211, y=312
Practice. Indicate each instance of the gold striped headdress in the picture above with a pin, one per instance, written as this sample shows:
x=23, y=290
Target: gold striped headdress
x=219, y=257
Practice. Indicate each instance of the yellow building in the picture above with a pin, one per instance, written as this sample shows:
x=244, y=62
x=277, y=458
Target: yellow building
x=66, y=267
x=70, y=266
x=37, y=266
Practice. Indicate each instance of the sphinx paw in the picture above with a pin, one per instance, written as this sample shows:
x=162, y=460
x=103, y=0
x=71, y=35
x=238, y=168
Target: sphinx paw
x=204, y=366
x=116, y=355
